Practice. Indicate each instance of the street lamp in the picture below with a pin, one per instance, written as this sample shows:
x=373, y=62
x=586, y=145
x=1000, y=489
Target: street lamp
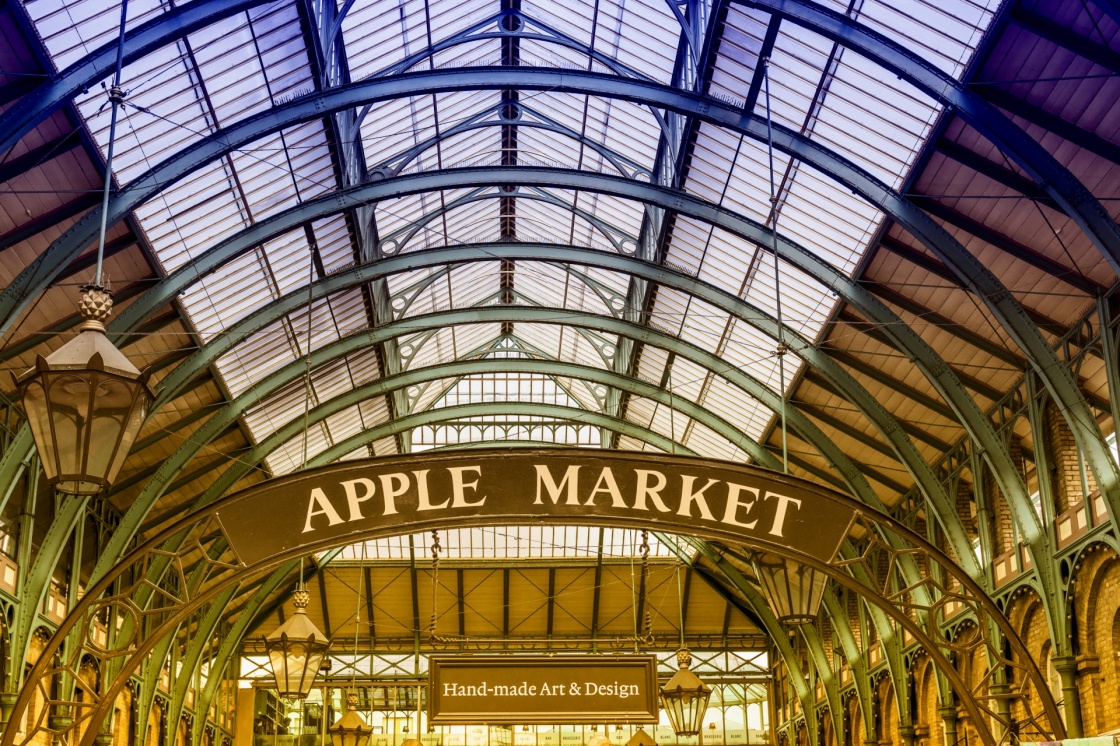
x=85, y=403
x=296, y=650
x=685, y=698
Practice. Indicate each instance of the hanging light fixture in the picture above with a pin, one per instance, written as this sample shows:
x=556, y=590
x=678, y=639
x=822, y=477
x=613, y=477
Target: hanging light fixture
x=296, y=649
x=794, y=590
x=641, y=738
x=414, y=741
x=85, y=402
x=597, y=738
x=350, y=730
x=685, y=698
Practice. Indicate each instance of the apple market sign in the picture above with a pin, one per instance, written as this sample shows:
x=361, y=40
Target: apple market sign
x=542, y=689
x=343, y=502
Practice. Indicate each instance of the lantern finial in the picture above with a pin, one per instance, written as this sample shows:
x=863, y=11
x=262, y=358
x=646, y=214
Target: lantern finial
x=96, y=306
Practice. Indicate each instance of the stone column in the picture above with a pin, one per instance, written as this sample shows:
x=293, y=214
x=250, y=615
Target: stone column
x=1066, y=666
x=949, y=719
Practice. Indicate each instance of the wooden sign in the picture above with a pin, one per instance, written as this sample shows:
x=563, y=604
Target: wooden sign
x=542, y=689
x=335, y=505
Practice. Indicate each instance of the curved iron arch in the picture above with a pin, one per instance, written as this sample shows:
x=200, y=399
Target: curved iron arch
x=1003, y=305
x=221, y=574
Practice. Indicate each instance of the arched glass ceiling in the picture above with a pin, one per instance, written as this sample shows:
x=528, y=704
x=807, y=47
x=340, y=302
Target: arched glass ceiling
x=270, y=54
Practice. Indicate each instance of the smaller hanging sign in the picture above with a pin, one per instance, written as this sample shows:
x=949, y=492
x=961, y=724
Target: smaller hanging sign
x=542, y=689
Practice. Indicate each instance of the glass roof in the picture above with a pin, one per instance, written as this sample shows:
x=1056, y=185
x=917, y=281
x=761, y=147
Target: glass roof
x=260, y=59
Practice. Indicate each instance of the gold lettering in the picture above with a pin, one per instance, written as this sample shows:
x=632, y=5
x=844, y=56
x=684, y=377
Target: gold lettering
x=780, y=512
x=390, y=493
x=643, y=490
x=606, y=484
x=422, y=488
x=352, y=499
x=733, y=504
x=459, y=487
x=325, y=508
x=689, y=496
x=570, y=480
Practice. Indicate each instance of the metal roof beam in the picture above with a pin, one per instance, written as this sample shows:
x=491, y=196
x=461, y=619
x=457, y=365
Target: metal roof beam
x=1020, y=251
x=872, y=331
x=1047, y=120
x=1076, y=200
x=944, y=323
x=1072, y=41
x=967, y=270
x=994, y=171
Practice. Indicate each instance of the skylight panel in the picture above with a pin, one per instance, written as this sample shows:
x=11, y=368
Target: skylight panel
x=228, y=294
x=450, y=17
x=476, y=222
x=573, y=20
x=739, y=48
x=473, y=283
x=709, y=444
x=289, y=456
x=332, y=236
x=345, y=424
x=651, y=363
x=796, y=66
x=583, y=392
x=278, y=410
x=385, y=447
x=669, y=422
x=191, y=215
x=165, y=112
x=546, y=284
x=483, y=53
x=73, y=28
x=379, y=34
x=538, y=220
x=624, y=127
x=512, y=542
x=945, y=33
x=879, y=123
x=824, y=216
x=537, y=147
x=392, y=127
x=579, y=348
x=542, y=54
x=641, y=34
x=737, y=407
x=703, y=325
x=669, y=312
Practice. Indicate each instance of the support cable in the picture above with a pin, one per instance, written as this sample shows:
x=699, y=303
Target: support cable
x=116, y=97
x=782, y=348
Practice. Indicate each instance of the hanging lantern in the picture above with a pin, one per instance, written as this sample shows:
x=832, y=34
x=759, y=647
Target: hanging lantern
x=85, y=403
x=598, y=739
x=685, y=698
x=296, y=649
x=794, y=590
x=641, y=738
x=350, y=730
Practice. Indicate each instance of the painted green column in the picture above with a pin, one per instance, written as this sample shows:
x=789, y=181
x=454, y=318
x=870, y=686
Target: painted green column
x=1066, y=666
x=907, y=733
x=949, y=719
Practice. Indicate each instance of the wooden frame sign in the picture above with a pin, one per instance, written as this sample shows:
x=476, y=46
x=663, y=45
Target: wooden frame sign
x=498, y=689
